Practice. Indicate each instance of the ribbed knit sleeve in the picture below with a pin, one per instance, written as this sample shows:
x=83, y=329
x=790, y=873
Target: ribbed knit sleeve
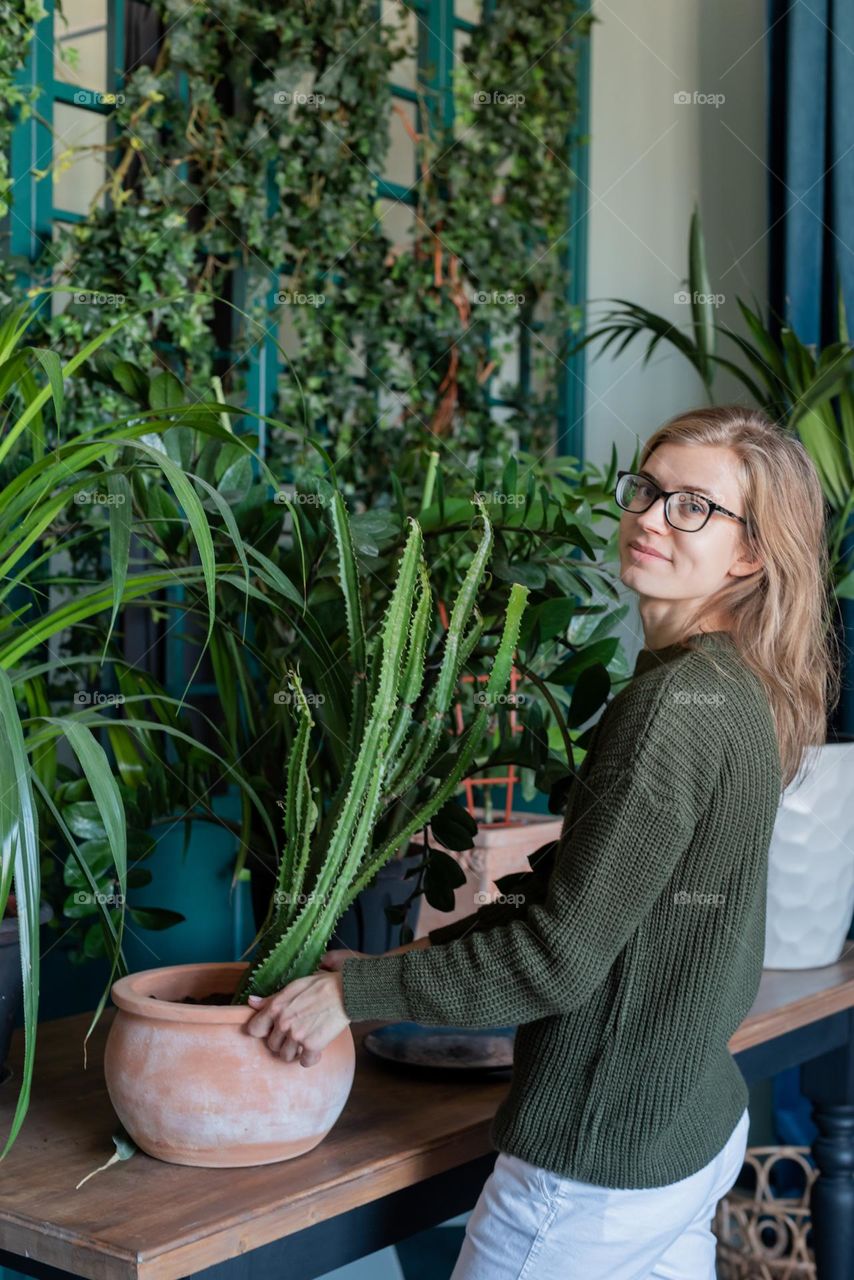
x=630, y=818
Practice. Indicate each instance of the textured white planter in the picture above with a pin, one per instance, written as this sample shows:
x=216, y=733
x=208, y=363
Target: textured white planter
x=811, y=864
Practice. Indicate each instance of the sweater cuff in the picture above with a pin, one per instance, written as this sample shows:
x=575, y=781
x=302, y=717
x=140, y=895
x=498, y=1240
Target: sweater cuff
x=373, y=989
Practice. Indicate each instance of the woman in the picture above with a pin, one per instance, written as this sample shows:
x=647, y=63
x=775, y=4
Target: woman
x=629, y=966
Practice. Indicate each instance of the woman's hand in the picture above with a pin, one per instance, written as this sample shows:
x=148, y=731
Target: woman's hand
x=303, y=1018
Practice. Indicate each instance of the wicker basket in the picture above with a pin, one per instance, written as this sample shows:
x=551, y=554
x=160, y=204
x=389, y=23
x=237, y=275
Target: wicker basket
x=762, y=1236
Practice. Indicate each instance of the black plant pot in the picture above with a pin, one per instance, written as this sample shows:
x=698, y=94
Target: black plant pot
x=363, y=926
x=11, y=982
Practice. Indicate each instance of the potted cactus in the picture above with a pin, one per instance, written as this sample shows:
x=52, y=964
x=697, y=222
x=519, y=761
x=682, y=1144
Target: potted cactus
x=186, y=1080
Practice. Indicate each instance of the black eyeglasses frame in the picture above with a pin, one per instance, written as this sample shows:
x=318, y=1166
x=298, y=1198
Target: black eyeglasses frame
x=662, y=493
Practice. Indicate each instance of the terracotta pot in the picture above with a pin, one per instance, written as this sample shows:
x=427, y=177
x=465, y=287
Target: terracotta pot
x=191, y=1086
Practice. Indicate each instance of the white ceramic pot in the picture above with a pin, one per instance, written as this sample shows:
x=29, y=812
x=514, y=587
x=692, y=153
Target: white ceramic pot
x=811, y=863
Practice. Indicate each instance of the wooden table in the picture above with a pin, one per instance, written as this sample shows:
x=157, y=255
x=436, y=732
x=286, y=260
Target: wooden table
x=407, y=1152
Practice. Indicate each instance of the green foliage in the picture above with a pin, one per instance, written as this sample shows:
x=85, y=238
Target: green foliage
x=252, y=147
x=54, y=491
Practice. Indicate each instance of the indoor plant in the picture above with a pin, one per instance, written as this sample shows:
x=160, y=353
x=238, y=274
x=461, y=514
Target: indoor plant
x=42, y=479
x=161, y=1057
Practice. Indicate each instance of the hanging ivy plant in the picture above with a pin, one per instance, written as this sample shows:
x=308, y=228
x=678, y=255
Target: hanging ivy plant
x=252, y=144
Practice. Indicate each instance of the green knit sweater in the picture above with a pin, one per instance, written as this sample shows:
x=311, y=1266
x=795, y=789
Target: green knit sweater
x=629, y=966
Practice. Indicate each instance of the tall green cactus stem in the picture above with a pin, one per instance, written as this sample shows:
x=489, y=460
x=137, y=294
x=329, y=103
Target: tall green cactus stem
x=413, y=674
x=341, y=850
x=349, y=576
x=499, y=679
x=456, y=650
x=358, y=814
x=300, y=814
x=402, y=767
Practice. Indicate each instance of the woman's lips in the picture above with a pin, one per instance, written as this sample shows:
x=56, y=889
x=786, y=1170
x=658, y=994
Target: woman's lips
x=645, y=555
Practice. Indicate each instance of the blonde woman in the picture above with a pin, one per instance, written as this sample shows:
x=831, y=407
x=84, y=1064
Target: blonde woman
x=636, y=956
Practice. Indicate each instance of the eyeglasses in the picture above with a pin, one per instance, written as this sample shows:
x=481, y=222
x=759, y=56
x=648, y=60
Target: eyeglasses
x=686, y=511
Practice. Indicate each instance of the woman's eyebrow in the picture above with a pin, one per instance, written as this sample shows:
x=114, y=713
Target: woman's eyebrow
x=683, y=488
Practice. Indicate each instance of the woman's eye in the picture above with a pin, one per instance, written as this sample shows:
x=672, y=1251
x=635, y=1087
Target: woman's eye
x=691, y=505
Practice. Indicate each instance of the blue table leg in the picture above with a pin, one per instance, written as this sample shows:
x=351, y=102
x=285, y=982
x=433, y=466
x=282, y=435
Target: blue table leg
x=828, y=1081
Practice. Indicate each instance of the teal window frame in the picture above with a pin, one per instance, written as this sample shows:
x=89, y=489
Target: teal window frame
x=32, y=212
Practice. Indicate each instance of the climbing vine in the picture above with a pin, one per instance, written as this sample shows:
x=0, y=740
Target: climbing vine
x=245, y=166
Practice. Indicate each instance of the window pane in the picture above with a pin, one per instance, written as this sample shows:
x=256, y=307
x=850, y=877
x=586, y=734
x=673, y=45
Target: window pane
x=78, y=174
x=399, y=163
x=469, y=10
x=398, y=222
x=82, y=26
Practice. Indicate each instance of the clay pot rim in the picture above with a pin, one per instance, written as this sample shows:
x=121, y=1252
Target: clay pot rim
x=133, y=993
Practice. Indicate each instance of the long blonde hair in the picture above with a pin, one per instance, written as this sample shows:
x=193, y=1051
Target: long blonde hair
x=780, y=616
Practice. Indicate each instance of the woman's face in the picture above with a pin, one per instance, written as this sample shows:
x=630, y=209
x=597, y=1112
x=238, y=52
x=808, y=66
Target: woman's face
x=689, y=567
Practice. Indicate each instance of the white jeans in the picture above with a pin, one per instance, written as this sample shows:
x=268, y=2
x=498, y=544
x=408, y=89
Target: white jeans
x=531, y=1223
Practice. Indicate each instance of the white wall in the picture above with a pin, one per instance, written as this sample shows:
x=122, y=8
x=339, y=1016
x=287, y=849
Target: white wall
x=650, y=160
